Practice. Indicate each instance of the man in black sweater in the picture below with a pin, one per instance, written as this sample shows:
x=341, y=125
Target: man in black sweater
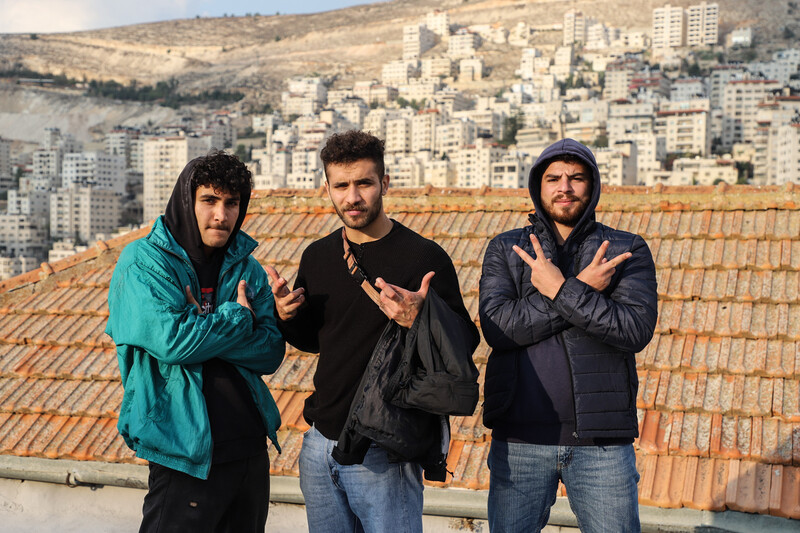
x=329, y=312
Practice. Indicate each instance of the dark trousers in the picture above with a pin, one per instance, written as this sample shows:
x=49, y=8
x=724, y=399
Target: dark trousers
x=234, y=498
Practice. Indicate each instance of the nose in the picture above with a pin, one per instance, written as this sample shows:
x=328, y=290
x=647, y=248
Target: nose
x=220, y=213
x=353, y=195
x=565, y=184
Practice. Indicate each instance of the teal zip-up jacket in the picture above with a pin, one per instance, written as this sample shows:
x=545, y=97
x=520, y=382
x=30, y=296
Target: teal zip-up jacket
x=162, y=341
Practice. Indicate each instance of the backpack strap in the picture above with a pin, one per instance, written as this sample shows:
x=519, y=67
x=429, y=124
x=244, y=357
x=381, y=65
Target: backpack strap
x=357, y=274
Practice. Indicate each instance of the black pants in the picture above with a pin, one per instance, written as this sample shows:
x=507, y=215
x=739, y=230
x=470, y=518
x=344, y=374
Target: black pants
x=234, y=498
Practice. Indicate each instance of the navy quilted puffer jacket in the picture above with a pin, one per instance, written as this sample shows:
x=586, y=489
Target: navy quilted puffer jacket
x=600, y=331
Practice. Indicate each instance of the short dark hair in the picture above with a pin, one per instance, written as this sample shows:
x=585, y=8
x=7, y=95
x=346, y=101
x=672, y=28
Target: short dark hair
x=222, y=171
x=351, y=146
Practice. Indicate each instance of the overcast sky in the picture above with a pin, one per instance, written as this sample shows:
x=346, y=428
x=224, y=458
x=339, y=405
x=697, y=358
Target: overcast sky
x=44, y=16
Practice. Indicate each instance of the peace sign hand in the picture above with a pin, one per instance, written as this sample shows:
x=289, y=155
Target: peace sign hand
x=545, y=276
x=598, y=273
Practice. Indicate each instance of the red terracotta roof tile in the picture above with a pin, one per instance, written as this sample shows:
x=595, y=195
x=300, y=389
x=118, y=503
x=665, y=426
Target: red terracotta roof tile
x=748, y=487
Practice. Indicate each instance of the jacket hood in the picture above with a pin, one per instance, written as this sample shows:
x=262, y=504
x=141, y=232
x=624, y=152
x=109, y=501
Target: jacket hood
x=559, y=148
x=181, y=221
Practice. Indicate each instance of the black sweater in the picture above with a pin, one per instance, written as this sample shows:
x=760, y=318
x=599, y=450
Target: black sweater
x=342, y=324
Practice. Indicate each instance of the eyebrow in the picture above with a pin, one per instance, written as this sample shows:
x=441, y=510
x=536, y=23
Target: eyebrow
x=568, y=175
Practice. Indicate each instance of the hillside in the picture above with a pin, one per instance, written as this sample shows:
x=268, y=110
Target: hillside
x=255, y=54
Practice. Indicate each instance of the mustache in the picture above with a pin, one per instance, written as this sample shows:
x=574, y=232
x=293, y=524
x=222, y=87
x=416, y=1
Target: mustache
x=570, y=197
x=354, y=207
x=220, y=227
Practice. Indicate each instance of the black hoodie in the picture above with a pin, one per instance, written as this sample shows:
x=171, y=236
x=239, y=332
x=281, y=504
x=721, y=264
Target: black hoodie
x=236, y=426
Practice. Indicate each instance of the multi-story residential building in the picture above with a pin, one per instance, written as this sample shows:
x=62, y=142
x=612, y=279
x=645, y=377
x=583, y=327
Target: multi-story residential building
x=782, y=67
x=376, y=119
x=399, y=71
x=353, y=109
x=703, y=171
x=419, y=90
x=685, y=131
x=33, y=203
x=470, y=69
x=438, y=22
x=575, y=25
x=437, y=67
x=54, y=139
x=669, y=27
x=651, y=150
x=739, y=107
x=22, y=235
x=617, y=166
x=625, y=117
x=463, y=44
x=771, y=117
x=488, y=123
x=720, y=76
x=405, y=170
x=398, y=135
x=304, y=180
x=740, y=37
x=787, y=154
x=423, y=130
x=528, y=65
x=619, y=76
x=99, y=169
x=440, y=172
x=510, y=172
x=221, y=130
x=684, y=89
x=454, y=135
x=164, y=159
x=374, y=93
x=83, y=212
x=305, y=96
x=651, y=87
x=6, y=181
x=534, y=140
x=702, y=24
x=14, y=266
x=417, y=39
x=599, y=36
x=120, y=142
x=474, y=163
x=449, y=100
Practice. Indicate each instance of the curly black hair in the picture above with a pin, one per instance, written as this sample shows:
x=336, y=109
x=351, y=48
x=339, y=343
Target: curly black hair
x=222, y=171
x=351, y=146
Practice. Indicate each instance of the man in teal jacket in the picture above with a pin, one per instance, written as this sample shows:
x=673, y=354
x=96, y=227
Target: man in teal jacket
x=192, y=315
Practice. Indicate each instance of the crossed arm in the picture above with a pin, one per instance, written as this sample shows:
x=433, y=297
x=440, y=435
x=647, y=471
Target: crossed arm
x=624, y=319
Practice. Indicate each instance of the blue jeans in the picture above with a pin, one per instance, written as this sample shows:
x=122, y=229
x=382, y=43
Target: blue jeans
x=375, y=496
x=600, y=481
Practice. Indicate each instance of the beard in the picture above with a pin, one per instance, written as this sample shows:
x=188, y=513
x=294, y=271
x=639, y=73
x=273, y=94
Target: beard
x=566, y=216
x=367, y=214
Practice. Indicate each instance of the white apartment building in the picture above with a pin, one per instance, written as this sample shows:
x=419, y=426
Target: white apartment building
x=455, y=135
x=121, y=142
x=83, y=212
x=405, y=170
x=371, y=91
x=575, y=26
x=771, y=135
x=703, y=171
x=63, y=249
x=787, y=154
x=417, y=39
x=474, y=163
x=619, y=76
x=437, y=67
x=652, y=87
x=487, y=121
x=783, y=65
x=47, y=164
x=305, y=96
x=625, y=118
x=419, y=91
x=463, y=44
x=440, y=173
x=740, y=101
x=304, y=180
x=33, y=203
x=615, y=166
x=684, y=89
x=702, y=24
x=423, y=130
x=22, y=235
x=599, y=36
x=354, y=110
x=741, y=37
x=720, y=76
x=470, y=69
x=14, y=266
x=685, y=131
x=5, y=164
x=449, y=100
x=305, y=161
x=438, y=22
x=631, y=40
x=99, y=169
x=398, y=135
x=510, y=172
x=520, y=34
x=54, y=139
x=530, y=64
x=263, y=123
x=651, y=150
x=281, y=166
x=164, y=159
x=376, y=120
x=669, y=26
x=399, y=71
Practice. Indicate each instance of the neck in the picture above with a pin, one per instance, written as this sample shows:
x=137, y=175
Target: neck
x=562, y=232
x=378, y=229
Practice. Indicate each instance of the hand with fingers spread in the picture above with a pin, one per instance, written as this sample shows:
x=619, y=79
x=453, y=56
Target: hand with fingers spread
x=545, y=276
x=286, y=302
x=402, y=305
x=599, y=272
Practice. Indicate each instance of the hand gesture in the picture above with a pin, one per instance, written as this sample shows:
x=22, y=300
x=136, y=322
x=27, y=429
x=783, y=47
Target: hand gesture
x=286, y=302
x=597, y=274
x=545, y=276
x=241, y=296
x=402, y=305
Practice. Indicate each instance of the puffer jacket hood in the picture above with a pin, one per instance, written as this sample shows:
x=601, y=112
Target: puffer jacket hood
x=559, y=148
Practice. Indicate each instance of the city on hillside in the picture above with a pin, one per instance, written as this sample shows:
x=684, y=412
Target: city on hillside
x=669, y=106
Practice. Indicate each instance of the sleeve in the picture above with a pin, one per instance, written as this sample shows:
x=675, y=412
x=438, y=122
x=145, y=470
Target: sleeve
x=510, y=320
x=625, y=318
x=302, y=331
x=446, y=285
x=261, y=350
x=148, y=309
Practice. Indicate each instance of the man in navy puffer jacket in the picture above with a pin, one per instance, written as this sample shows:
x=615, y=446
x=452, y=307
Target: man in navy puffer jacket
x=565, y=303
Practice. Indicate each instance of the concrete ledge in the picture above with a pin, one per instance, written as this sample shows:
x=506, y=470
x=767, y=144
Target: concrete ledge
x=452, y=502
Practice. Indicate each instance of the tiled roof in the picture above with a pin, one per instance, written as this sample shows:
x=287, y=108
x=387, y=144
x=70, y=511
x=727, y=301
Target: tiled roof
x=719, y=385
